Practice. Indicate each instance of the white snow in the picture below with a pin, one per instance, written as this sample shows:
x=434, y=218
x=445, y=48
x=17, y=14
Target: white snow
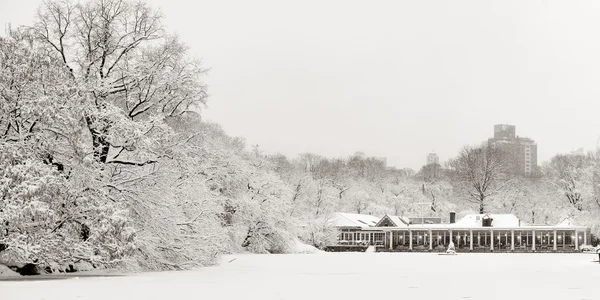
x=302, y=248
x=353, y=220
x=344, y=276
x=397, y=220
x=7, y=272
x=499, y=220
x=566, y=223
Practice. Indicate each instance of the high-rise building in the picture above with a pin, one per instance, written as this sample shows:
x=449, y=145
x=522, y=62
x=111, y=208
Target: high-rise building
x=433, y=158
x=521, y=151
x=504, y=131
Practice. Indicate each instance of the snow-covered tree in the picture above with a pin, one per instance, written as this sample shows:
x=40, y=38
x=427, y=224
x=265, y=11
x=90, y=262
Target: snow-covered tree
x=573, y=175
x=479, y=173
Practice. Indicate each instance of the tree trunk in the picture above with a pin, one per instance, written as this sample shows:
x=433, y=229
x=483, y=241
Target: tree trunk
x=101, y=146
x=246, y=241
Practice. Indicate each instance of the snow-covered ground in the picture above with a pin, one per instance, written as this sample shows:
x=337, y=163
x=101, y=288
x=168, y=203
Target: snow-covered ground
x=344, y=276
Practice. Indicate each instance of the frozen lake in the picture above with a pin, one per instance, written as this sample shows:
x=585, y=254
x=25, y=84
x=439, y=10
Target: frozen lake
x=344, y=276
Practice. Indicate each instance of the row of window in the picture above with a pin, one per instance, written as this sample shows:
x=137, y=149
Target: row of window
x=501, y=238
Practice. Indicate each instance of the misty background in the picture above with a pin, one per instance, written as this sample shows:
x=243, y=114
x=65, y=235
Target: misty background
x=394, y=79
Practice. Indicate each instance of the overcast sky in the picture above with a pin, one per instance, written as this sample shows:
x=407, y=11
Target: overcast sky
x=396, y=79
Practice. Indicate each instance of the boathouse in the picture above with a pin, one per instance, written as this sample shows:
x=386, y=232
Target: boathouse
x=472, y=233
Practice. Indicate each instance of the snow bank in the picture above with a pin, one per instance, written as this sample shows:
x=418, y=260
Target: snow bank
x=298, y=247
x=7, y=272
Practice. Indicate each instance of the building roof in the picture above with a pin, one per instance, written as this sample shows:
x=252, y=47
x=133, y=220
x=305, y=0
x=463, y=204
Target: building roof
x=426, y=220
x=400, y=219
x=470, y=221
x=567, y=222
x=353, y=220
x=396, y=220
x=498, y=220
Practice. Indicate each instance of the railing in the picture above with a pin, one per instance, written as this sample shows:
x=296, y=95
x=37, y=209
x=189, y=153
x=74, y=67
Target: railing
x=359, y=243
x=480, y=248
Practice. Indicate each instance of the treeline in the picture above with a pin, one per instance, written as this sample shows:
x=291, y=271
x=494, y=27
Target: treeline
x=104, y=158
x=480, y=179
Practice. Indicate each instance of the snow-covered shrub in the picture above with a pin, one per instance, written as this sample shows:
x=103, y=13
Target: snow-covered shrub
x=318, y=233
x=45, y=218
x=298, y=247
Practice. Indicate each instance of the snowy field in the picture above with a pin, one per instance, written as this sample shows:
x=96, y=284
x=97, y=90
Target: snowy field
x=344, y=276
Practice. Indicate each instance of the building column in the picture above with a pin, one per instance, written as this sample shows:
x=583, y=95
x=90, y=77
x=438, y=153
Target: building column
x=512, y=240
x=585, y=237
x=391, y=239
x=533, y=241
x=470, y=239
x=576, y=240
x=410, y=240
x=554, y=245
x=491, y=239
x=451, y=241
x=430, y=240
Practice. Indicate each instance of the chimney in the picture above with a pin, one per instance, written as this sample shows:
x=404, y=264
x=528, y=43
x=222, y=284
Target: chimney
x=452, y=217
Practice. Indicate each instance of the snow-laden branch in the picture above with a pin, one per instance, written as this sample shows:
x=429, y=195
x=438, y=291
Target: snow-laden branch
x=132, y=163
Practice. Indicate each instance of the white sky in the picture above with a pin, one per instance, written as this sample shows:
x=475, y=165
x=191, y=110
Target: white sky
x=392, y=78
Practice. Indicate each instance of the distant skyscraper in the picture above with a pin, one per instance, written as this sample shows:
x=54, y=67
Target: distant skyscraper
x=521, y=152
x=433, y=158
x=504, y=131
